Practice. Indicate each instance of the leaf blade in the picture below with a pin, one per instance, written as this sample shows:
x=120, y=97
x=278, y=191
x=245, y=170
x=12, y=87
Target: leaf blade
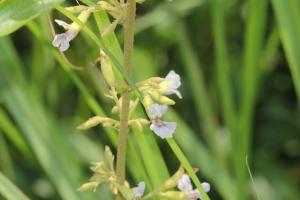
x=16, y=13
x=9, y=190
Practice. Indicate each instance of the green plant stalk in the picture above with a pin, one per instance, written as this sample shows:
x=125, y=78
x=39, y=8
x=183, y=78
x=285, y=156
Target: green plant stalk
x=223, y=70
x=124, y=113
x=144, y=142
x=253, y=48
x=12, y=133
x=186, y=165
x=287, y=15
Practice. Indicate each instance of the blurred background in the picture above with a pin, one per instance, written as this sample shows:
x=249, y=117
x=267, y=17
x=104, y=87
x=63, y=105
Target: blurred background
x=239, y=65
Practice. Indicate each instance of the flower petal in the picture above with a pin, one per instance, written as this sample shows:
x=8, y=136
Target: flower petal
x=139, y=190
x=58, y=39
x=62, y=40
x=193, y=195
x=184, y=183
x=62, y=23
x=163, y=129
x=206, y=186
x=156, y=110
x=64, y=45
x=173, y=79
x=174, y=91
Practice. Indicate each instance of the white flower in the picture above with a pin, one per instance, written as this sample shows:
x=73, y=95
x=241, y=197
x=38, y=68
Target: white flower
x=62, y=41
x=139, y=190
x=161, y=128
x=185, y=185
x=171, y=84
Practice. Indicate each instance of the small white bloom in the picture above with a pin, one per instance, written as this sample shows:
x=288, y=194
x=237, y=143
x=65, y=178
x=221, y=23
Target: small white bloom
x=139, y=190
x=161, y=128
x=185, y=185
x=171, y=84
x=62, y=41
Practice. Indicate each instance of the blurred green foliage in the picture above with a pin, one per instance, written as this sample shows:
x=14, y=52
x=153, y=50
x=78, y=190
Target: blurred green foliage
x=240, y=68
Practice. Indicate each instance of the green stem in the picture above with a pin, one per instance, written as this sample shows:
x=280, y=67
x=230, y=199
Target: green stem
x=185, y=163
x=128, y=49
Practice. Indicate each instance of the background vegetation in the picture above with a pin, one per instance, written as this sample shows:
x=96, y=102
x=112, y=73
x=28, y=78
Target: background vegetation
x=240, y=68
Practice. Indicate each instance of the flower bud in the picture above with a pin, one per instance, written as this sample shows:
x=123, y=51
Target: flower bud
x=83, y=17
x=166, y=100
x=91, y=122
x=173, y=180
x=160, y=98
x=106, y=68
x=89, y=185
x=147, y=101
x=115, y=110
x=173, y=195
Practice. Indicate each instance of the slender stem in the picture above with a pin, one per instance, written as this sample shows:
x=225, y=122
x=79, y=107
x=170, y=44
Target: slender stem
x=128, y=49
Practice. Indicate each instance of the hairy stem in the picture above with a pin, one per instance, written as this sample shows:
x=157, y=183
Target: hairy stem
x=128, y=49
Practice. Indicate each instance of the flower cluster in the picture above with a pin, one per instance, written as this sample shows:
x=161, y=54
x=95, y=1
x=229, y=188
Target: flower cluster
x=154, y=90
x=157, y=89
x=155, y=97
x=104, y=172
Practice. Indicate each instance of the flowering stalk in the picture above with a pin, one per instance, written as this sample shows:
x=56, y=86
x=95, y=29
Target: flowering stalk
x=128, y=49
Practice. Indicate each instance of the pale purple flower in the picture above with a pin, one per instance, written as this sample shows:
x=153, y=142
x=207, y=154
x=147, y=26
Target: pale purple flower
x=185, y=185
x=171, y=84
x=62, y=41
x=161, y=128
x=139, y=190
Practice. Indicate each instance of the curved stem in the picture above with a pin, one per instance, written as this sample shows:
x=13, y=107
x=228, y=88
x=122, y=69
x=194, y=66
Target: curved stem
x=128, y=49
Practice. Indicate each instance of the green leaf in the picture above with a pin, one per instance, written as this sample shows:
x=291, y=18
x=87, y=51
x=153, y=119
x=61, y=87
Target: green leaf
x=41, y=130
x=9, y=190
x=16, y=13
x=287, y=14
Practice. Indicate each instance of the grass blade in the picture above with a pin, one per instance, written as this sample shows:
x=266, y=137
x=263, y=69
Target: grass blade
x=9, y=190
x=288, y=14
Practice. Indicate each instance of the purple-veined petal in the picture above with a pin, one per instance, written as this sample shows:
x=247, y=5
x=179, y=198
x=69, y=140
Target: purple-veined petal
x=62, y=41
x=163, y=129
x=58, y=39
